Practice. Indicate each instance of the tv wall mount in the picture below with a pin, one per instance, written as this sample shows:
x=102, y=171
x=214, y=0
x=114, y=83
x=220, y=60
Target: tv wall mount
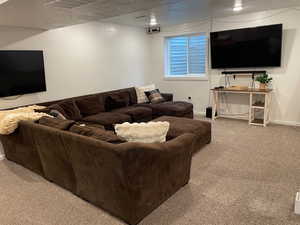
x=242, y=72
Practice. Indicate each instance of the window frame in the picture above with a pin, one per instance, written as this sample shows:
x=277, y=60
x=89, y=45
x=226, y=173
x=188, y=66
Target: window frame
x=201, y=76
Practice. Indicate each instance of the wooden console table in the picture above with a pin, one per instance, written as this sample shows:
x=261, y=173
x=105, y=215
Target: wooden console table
x=265, y=106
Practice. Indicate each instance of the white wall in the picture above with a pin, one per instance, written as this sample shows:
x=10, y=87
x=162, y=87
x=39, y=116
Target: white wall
x=82, y=59
x=196, y=89
x=286, y=79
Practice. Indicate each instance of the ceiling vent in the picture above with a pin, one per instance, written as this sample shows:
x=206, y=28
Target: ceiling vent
x=68, y=4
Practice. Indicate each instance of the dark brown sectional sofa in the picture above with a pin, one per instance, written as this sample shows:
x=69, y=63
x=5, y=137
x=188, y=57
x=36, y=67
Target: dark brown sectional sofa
x=102, y=109
x=129, y=180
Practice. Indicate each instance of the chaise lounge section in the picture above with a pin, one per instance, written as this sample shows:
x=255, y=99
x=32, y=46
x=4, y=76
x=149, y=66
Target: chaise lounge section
x=128, y=180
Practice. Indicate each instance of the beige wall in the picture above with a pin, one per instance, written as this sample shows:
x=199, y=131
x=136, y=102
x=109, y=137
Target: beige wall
x=286, y=79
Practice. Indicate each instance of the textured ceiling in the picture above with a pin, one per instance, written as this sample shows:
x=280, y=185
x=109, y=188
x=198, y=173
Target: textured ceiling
x=195, y=10
x=47, y=14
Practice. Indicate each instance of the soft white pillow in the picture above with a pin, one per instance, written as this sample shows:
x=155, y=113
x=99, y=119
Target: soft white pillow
x=143, y=132
x=140, y=92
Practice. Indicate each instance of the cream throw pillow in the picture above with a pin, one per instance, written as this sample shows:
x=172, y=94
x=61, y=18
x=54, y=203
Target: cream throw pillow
x=143, y=132
x=140, y=92
x=10, y=122
x=9, y=119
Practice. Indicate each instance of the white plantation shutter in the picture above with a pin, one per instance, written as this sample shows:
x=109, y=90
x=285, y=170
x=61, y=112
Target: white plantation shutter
x=187, y=55
x=178, y=55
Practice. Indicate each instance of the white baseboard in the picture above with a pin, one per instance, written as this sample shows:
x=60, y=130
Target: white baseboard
x=2, y=157
x=286, y=123
x=279, y=122
x=199, y=113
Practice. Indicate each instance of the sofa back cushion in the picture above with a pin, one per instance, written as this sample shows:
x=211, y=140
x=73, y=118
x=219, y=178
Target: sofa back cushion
x=117, y=100
x=71, y=110
x=56, y=123
x=97, y=133
x=90, y=105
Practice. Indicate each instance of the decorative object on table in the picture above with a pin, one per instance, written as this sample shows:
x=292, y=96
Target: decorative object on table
x=143, y=132
x=264, y=80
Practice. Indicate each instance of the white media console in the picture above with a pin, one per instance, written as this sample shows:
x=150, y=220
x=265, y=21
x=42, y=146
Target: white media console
x=254, y=105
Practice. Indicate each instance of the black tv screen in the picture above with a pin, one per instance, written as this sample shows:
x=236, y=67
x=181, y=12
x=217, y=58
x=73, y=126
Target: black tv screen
x=250, y=47
x=21, y=72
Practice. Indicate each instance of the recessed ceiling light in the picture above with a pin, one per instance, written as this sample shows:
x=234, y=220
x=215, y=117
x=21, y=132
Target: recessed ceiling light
x=238, y=5
x=3, y=1
x=237, y=8
x=153, y=21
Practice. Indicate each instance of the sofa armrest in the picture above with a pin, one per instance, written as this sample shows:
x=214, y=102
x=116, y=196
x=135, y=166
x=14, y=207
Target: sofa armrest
x=167, y=96
x=154, y=172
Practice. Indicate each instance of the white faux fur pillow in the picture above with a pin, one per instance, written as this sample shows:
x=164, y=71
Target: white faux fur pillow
x=30, y=108
x=143, y=132
x=9, y=119
x=10, y=122
x=140, y=92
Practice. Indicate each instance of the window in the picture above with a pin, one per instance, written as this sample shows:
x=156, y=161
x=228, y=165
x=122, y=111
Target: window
x=186, y=56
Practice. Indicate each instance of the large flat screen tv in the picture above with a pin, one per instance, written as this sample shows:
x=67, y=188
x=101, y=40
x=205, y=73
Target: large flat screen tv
x=244, y=48
x=21, y=72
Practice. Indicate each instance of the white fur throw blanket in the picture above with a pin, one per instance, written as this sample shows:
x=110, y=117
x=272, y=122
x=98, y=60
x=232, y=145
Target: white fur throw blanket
x=9, y=119
x=143, y=132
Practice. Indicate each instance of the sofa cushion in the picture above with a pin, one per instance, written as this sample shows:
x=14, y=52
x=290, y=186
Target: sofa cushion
x=60, y=124
x=108, y=119
x=169, y=108
x=140, y=92
x=90, y=105
x=99, y=134
x=117, y=100
x=152, y=132
x=71, y=110
x=137, y=114
x=90, y=124
x=180, y=126
x=55, y=108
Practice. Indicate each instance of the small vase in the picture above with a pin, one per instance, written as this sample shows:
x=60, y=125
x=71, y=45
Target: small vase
x=262, y=86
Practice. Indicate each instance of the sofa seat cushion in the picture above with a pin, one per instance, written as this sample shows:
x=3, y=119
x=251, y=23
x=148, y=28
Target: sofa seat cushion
x=57, y=123
x=137, y=114
x=100, y=134
x=178, y=108
x=179, y=126
x=90, y=124
x=108, y=119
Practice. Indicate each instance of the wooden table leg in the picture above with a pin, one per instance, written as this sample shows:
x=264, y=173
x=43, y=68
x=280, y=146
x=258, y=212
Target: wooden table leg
x=266, y=109
x=250, y=107
x=215, y=102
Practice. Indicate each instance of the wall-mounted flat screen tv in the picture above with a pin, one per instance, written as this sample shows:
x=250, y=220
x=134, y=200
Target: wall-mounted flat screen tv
x=21, y=72
x=250, y=47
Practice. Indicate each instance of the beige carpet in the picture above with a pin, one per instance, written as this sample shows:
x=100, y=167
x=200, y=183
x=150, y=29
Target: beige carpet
x=247, y=175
